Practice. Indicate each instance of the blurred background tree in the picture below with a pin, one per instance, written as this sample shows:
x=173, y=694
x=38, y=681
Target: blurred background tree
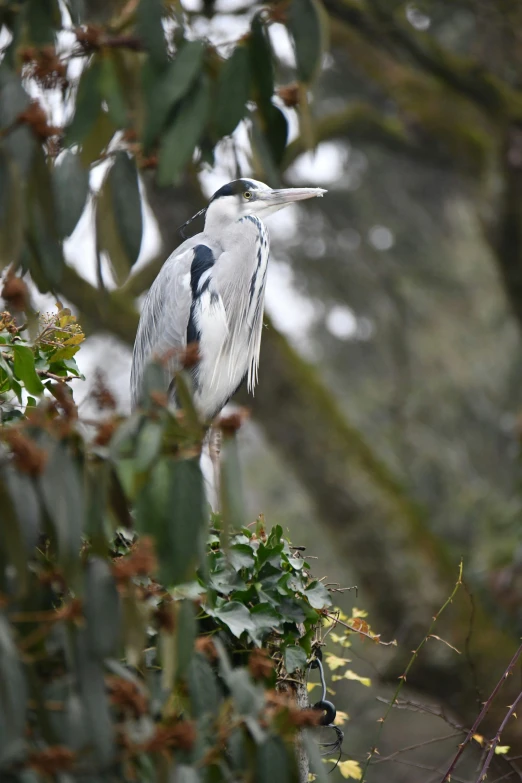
x=385, y=429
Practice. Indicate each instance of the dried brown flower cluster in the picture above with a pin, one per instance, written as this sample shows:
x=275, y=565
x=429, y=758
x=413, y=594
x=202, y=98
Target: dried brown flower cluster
x=45, y=66
x=27, y=455
x=141, y=561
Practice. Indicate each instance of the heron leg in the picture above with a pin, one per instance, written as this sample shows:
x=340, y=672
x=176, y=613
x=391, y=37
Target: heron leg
x=214, y=448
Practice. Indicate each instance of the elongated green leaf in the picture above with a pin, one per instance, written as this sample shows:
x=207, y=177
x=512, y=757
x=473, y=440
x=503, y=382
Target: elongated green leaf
x=111, y=90
x=108, y=237
x=233, y=91
x=274, y=763
x=171, y=508
x=148, y=445
x=43, y=232
x=306, y=27
x=314, y=756
x=184, y=133
x=71, y=188
x=88, y=103
x=20, y=142
x=11, y=535
x=62, y=493
x=150, y=26
x=162, y=94
x=43, y=20
x=203, y=689
x=126, y=204
x=232, y=500
x=90, y=677
x=261, y=64
x=11, y=211
x=13, y=695
x=102, y=609
x=24, y=369
x=185, y=635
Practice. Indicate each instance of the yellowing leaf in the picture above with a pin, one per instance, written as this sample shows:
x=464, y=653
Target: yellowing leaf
x=501, y=749
x=341, y=718
x=344, y=641
x=350, y=675
x=478, y=738
x=350, y=769
x=359, y=613
x=76, y=339
x=334, y=662
x=311, y=776
x=311, y=685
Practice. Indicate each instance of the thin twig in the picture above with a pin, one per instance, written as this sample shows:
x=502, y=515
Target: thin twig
x=363, y=633
x=482, y=714
x=496, y=739
x=417, y=745
x=402, y=678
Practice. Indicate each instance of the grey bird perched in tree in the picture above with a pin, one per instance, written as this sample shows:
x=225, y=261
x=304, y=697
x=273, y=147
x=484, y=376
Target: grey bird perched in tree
x=211, y=291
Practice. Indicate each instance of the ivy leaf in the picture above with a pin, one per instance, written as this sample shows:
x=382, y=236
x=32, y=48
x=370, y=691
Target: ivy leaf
x=294, y=658
x=318, y=595
x=349, y=769
x=235, y=616
x=241, y=556
x=25, y=371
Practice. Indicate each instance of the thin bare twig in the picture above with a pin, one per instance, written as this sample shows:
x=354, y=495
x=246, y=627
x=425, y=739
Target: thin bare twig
x=482, y=714
x=402, y=678
x=496, y=739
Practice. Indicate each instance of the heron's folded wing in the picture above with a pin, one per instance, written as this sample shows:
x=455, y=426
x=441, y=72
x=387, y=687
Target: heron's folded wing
x=162, y=331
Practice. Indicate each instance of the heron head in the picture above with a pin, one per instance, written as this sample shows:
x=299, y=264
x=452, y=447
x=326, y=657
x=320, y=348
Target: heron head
x=251, y=197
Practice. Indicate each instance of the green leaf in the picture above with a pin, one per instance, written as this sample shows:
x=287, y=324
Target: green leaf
x=88, y=103
x=43, y=233
x=13, y=698
x=150, y=27
x=274, y=762
x=305, y=22
x=233, y=91
x=43, y=20
x=108, y=236
x=183, y=134
x=111, y=90
x=185, y=636
x=203, y=689
x=235, y=616
x=261, y=64
x=94, y=697
x=171, y=507
x=11, y=535
x=24, y=369
x=126, y=204
x=102, y=609
x=231, y=488
x=11, y=211
x=318, y=595
x=62, y=493
x=294, y=658
x=19, y=143
x=163, y=93
x=148, y=444
x=71, y=188
x=241, y=556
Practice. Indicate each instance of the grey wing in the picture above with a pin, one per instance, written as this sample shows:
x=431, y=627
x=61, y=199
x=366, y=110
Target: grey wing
x=162, y=329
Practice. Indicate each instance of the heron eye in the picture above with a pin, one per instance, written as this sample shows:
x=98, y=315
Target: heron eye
x=247, y=194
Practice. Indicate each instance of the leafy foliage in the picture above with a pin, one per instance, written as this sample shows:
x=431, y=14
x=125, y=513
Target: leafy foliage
x=125, y=655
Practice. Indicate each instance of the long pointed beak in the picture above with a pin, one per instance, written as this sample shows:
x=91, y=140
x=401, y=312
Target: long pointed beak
x=288, y=195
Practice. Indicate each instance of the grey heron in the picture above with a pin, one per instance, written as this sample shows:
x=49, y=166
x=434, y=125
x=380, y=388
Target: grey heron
x=211, y=291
